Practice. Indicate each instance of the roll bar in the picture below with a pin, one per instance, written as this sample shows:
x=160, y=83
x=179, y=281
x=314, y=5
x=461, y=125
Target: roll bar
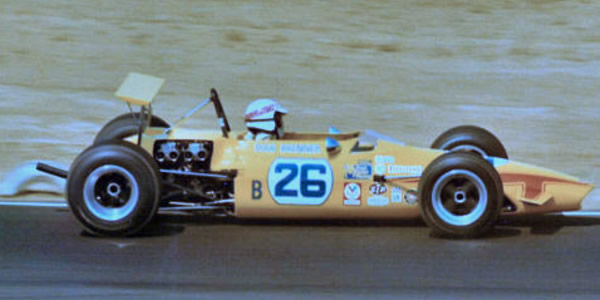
x=223, y=122
x=214, y=98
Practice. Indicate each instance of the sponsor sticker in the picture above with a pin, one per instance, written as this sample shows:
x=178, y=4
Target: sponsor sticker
x=396, y=194
x=264, y=148
x=380, y=169
x=401, y=169
x=377, y=189
x=361, y=171
x=384, y=159
x=305, y=149
x=352, y=193
x=410, y=197
x=378, y=200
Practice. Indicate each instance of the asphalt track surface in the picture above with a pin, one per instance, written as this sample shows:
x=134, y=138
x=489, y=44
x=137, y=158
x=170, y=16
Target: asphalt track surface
x=45, y=255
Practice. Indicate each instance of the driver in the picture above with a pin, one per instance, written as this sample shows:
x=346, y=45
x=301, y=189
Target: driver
x=264, y=120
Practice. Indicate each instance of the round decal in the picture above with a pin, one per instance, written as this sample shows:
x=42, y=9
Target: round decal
x=352, y=191
x=380, y=169
x=411, y=197
x=300, y=181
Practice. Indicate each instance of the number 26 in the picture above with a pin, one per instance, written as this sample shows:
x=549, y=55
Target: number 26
x=310, y=188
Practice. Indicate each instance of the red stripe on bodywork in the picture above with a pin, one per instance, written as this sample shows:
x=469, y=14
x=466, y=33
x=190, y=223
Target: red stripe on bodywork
x=534, y=185
x=408, y=180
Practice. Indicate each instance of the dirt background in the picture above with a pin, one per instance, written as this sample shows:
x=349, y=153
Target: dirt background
x=526, y=70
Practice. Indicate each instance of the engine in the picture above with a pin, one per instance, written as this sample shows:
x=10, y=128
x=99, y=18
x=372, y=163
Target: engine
x=185, y=171
x=191, y=156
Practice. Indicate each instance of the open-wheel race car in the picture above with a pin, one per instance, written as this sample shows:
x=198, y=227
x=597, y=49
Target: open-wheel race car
x=139, y=164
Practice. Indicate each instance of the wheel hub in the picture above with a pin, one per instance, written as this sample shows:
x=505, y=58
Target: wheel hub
x=459, y=197
x=113, y=189
x=110, y=192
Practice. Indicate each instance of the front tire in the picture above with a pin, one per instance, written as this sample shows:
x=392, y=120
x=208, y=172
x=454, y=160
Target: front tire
x=113, y=189
x=460, y=195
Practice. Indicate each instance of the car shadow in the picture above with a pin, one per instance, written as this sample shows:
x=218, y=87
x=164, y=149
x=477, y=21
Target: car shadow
x=195, y=220
x=156, y=228
x=546, y=224
x=174, y=224
x=536, y=225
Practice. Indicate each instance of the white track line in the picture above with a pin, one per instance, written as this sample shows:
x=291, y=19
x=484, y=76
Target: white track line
x=33, y=204
x=595, y=214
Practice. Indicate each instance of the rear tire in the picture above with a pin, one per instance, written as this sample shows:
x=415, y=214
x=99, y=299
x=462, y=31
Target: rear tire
x=113, y=189
x=470, y=139
x=460, y=195
x=124, y=126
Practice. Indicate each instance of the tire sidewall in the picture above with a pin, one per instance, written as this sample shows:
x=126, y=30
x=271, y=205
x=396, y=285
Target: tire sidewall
x=131, y=159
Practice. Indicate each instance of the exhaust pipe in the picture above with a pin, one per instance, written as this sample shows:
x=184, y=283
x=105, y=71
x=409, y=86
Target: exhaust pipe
x=52, y=170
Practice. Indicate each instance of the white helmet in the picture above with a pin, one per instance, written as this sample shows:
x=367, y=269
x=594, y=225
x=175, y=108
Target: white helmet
x=260, y=115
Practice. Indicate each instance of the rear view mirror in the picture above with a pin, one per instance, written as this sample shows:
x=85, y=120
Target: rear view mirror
x=333, y=130
x=332, y=145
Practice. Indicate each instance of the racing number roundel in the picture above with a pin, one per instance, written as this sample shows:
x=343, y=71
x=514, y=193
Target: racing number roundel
x=300, y=181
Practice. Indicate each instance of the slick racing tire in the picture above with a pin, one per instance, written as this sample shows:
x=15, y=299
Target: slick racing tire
x=472, y=139
x=125, y=126
x=113, y=189
x=460, y=195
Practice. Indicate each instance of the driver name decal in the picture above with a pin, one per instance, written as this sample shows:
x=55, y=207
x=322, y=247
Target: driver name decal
x=300, y=181
x=305, y=149
x=264, y=147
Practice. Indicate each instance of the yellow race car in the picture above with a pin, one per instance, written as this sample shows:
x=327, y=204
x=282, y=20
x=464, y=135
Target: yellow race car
x=140, y=164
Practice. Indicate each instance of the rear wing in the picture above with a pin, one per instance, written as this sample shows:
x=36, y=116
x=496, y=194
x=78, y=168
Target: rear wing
x=139, y=89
